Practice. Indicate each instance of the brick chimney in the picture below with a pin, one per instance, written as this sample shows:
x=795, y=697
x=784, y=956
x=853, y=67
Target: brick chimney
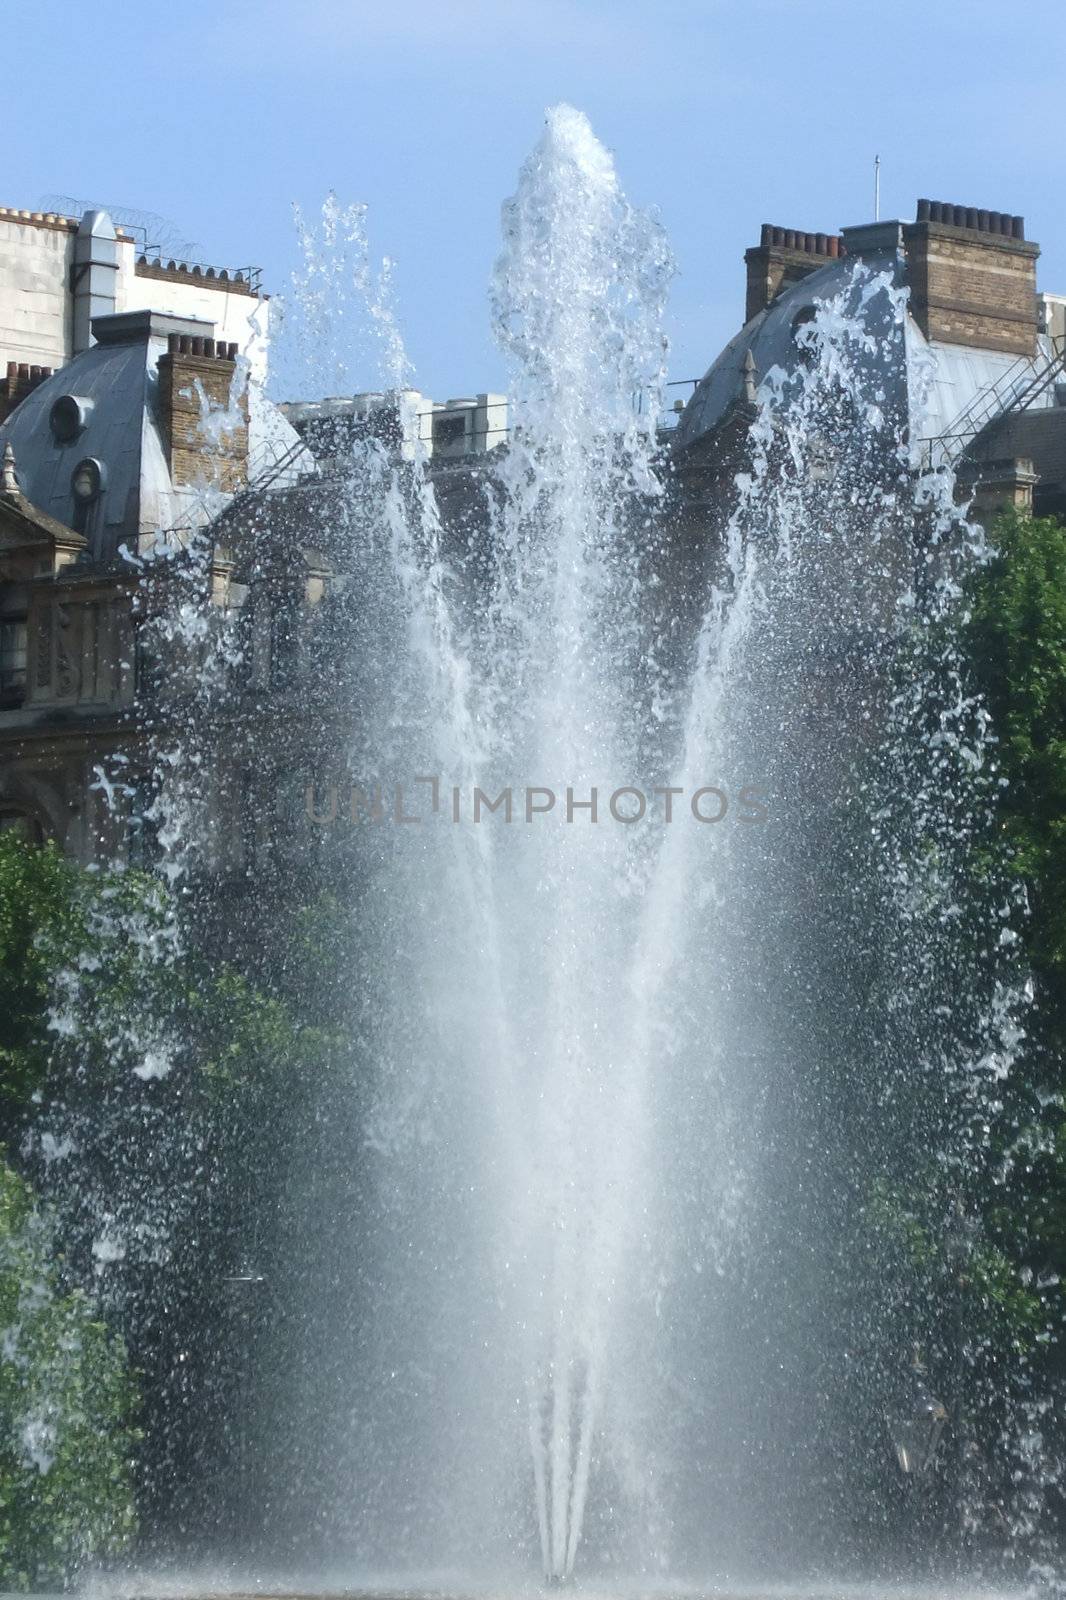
x=972, y=276
x=21, y=380
x=194, y=368
x=781, y=258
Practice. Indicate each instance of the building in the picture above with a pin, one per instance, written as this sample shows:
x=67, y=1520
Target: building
x=134, y=420
x=132, y=417
x=132, y=409
x=58, y=273
x=995, y=411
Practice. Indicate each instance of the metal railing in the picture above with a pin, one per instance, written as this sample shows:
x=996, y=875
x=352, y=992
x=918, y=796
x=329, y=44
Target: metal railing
x=670, y=416
x=1020, y=386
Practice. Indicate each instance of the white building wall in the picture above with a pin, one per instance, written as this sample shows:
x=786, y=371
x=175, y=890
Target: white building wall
x=239, y=319
x=36, y=305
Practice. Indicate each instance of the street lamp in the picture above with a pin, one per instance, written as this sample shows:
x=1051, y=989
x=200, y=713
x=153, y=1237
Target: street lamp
x=916, y=1422
x=241, y=1292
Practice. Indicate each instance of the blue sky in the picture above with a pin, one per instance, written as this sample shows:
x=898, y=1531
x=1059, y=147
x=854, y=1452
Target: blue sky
x=722, y=114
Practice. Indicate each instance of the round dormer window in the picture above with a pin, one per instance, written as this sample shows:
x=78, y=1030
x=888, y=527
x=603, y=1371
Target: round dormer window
x=87, y=480
x=804, y=340
x=68, y=417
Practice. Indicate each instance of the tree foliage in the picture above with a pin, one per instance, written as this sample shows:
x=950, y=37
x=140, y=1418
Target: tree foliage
x=66, y=1411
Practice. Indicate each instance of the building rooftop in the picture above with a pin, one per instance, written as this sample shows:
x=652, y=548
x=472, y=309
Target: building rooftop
x=768, y=341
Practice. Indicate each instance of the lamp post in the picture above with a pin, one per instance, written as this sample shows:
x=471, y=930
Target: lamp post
x=959, y=1241
x=242, y=1292
x=916, y=1421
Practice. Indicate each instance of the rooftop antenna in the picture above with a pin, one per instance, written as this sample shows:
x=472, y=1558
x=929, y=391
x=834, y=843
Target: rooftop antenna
x=877, y=188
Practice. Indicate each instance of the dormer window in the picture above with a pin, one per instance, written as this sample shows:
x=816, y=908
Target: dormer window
x=449, y=431
x=87, y=480
x=13, y=652
x=86, y=484
x=283, y=646
x=803, y=334
x=68, y=417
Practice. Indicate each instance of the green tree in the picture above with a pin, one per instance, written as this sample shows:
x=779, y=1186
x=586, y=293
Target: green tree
x=66, y=1408
x=37, y=915
x=1017, y=644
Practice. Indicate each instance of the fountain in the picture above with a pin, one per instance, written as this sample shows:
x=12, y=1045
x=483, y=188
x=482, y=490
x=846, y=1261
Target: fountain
x=599, y=1215
x=651, y=974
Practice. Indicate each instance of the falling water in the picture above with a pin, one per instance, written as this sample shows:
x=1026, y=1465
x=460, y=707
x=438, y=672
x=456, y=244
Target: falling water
x=534, y=682
x=608, y=1040
x=568, y=1251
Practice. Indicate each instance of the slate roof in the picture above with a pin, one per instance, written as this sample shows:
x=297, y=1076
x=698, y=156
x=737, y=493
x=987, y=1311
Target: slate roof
x=118, y=377
x=961, y=372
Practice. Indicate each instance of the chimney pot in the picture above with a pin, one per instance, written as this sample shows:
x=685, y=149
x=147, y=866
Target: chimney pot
x=923, y=210
x=1018, y=227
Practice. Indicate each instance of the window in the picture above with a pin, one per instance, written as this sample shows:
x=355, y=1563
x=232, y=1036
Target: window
x=142, y=836
x=22, y=825
x=13, y=646
x=283, y=646
x=68, y=417
x=449, y=430
x=804, y=335
x=86, y=485
x=147, y=665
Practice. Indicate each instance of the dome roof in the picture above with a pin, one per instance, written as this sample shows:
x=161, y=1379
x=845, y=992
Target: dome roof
x=935, y=397
x=103, y=408
x=769, y=339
